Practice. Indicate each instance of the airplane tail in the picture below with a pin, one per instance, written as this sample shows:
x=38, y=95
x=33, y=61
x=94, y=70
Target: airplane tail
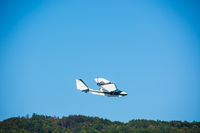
x=81, y=85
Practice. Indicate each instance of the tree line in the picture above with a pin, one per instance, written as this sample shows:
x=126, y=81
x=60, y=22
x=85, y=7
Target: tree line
x=85, y=124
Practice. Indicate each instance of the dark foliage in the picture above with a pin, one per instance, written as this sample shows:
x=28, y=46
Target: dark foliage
x=85, y=124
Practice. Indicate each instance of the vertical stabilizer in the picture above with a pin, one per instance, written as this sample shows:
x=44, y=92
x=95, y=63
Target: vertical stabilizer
x=81, y=85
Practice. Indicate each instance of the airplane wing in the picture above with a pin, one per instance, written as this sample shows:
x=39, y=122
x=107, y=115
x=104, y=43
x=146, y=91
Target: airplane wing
x=106, y=85
x=102, y=81
x=109, y=87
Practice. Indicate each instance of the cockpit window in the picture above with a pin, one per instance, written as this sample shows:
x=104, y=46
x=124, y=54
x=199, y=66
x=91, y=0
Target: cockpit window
x=116, y=92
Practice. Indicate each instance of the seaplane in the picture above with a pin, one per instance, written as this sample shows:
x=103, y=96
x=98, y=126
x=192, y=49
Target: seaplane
x=107, y=88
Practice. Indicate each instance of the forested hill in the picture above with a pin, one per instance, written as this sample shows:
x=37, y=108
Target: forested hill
x=85, y=124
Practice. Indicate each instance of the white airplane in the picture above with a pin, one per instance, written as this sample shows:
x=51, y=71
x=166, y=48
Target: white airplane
x=107, y=88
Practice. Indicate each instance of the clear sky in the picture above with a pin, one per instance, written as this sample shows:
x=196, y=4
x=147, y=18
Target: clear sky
x=149, y=48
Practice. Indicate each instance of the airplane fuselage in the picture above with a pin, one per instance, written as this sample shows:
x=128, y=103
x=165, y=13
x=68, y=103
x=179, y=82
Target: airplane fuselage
x=109, y=94
x=107, y=88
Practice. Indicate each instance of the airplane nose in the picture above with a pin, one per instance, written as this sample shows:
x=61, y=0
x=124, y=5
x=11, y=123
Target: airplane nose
x=123, y=93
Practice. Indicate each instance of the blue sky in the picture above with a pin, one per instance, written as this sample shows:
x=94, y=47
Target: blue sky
x=149, y=48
